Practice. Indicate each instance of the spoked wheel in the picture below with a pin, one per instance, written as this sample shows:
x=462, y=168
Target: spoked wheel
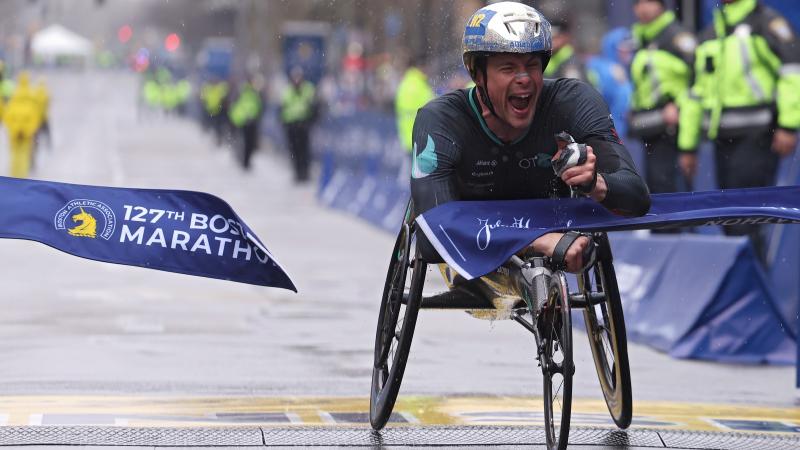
x=396, y=322
x=605, y=325
x=555, y=327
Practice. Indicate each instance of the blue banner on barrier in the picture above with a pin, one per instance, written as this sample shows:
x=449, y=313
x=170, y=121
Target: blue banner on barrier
x=364, y=168
x=176, y=231
x=477, y=237
x=699, y=296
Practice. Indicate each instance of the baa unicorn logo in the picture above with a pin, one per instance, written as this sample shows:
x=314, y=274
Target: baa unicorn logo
x=87, y=227
x=86, y=218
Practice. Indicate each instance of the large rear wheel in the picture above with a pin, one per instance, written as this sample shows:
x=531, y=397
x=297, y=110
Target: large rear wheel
x=555, y=328
x=400, y=303
x=605, y=325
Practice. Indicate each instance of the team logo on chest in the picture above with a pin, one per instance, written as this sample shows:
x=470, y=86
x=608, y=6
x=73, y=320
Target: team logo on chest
x=540, y=160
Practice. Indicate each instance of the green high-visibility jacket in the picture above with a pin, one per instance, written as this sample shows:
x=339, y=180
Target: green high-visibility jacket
x=7, y=88
x=565, y=64
x=169, y=96
x=661, y=71
x=746, y=66
x=298, y=103
x=184, y=89
x=152, y=93
x=247, y=108
x=413, y=93
x=213, y=96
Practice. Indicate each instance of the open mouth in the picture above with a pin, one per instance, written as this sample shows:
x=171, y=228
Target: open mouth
x=520, y=103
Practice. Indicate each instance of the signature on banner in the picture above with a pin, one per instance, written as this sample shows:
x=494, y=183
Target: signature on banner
x=484, y=236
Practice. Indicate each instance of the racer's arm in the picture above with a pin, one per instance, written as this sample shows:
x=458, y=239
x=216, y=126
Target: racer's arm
x=624, y=191
x=433, y=172
x=619, y=186
x=630, y=198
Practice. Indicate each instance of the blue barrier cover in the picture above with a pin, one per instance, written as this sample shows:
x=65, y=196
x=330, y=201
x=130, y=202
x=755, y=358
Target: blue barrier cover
x=699, y=296
x=176, y=231
x=477, y=237
x=362, y=167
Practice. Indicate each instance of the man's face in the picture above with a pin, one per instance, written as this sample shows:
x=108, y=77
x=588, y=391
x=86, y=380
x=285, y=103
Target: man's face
x=647, y=10
x=515, y=82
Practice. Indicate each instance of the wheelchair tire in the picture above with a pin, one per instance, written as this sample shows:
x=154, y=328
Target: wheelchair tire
x=396, y=322
x=605, y=326
x=558, y=368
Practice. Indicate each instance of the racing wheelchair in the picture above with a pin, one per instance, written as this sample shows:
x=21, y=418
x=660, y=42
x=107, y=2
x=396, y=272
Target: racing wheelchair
x=545, y=311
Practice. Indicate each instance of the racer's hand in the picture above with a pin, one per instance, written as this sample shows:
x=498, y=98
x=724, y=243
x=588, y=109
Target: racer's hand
x=784, y=142
x=546, y=243
x=688, y=163
x=583, y=174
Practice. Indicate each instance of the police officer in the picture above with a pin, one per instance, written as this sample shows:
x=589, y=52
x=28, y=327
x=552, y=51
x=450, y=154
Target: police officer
x=298, y=111
x=215, y=98
x=661, y=71
x=745, y=97
x=565, y=62
x=245, y=116
x=413, y=92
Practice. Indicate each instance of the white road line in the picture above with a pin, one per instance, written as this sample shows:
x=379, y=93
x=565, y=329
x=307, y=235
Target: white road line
x=409, y=417
x=326, y=417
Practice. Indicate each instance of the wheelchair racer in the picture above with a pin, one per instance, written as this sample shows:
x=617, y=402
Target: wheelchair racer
x=497, y=140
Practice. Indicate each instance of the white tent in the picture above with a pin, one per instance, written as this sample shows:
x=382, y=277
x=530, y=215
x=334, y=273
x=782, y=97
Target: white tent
x=55, y=41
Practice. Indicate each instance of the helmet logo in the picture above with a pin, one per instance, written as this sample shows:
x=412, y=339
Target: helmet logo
x=476, y=26
x=476, y=20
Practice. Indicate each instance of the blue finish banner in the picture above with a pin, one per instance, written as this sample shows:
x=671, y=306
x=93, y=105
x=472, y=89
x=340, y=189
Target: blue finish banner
x=176, y=231
x=476, y=237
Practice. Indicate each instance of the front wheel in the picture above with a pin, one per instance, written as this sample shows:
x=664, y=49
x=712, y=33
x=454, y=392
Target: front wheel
x=402, y=294
x=605, y=325
x=555, y=328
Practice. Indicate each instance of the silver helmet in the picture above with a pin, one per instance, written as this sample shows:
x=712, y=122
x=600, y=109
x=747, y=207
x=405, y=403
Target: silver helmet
x=506, y=27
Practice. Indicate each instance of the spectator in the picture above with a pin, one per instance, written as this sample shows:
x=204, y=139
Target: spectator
x=608, y=73
x=22, y=118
